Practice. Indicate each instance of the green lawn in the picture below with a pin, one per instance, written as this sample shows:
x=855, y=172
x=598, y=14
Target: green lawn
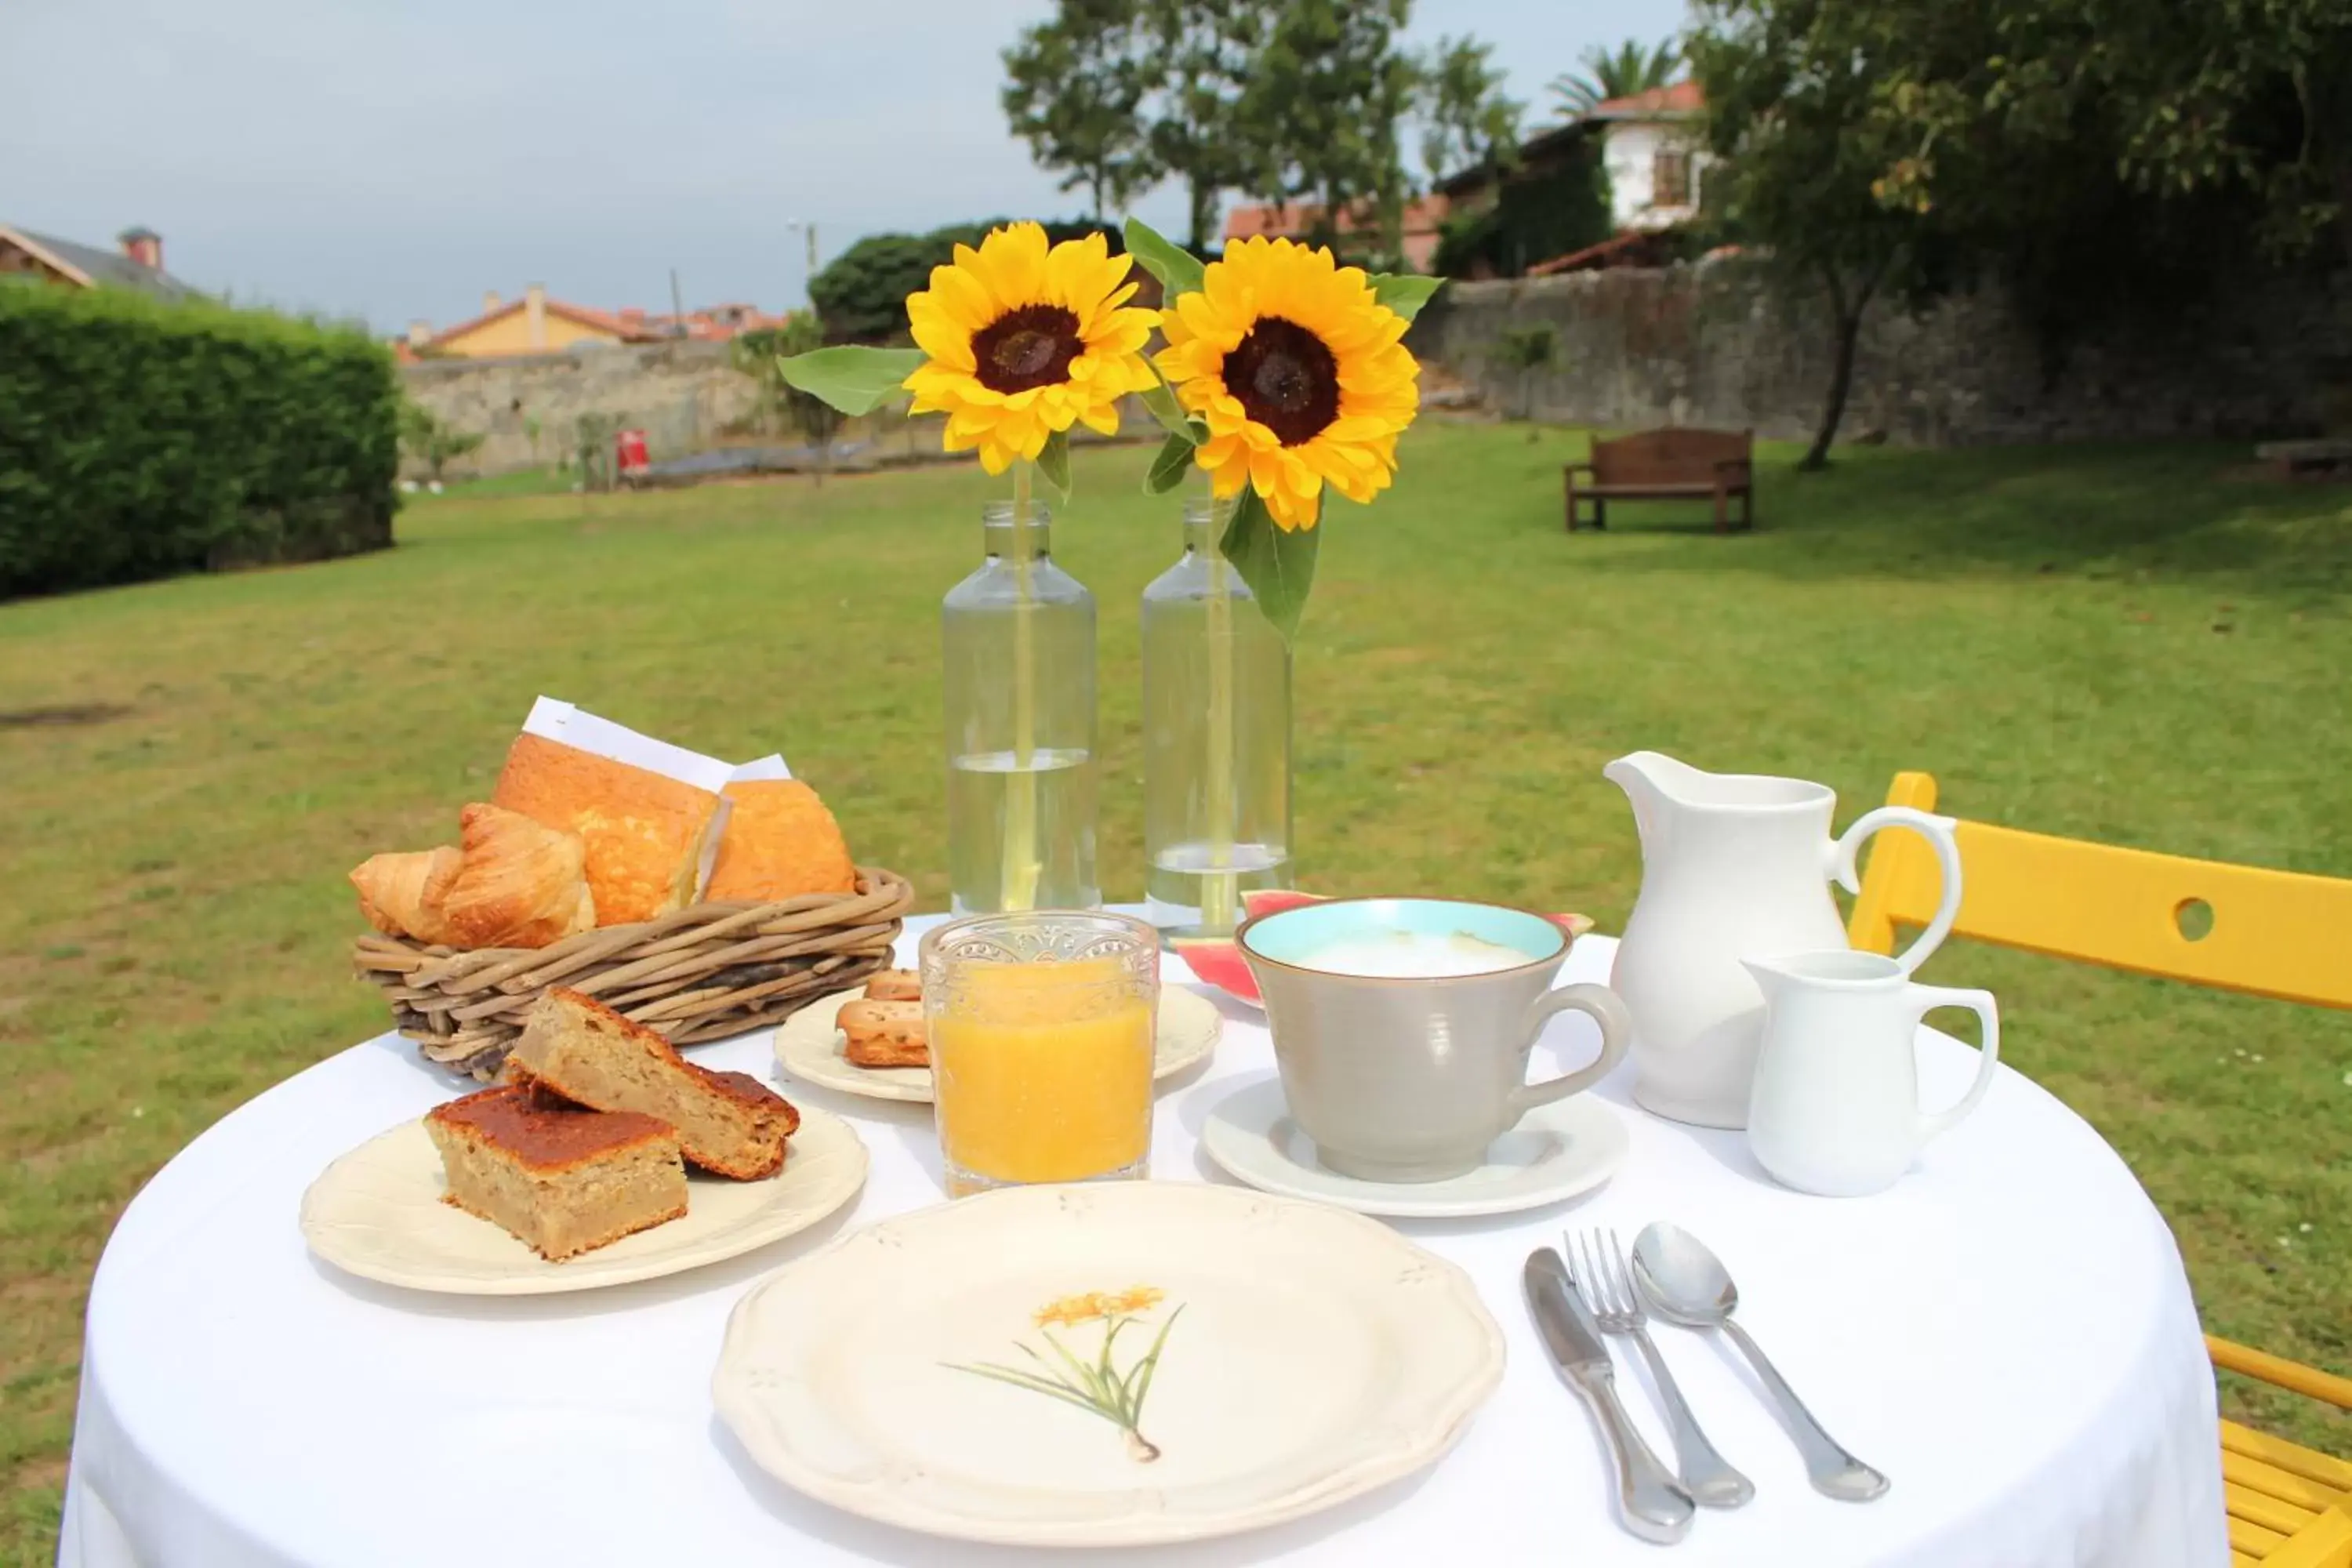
x=2147, y=646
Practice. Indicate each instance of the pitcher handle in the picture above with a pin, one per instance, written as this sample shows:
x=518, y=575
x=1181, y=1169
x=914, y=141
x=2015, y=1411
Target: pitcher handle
x=1597, y=1003
x=1938, y=831
x=1927, y=998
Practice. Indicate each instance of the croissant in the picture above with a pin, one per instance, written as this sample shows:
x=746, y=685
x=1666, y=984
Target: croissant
x=521, y=885
x=401, y=894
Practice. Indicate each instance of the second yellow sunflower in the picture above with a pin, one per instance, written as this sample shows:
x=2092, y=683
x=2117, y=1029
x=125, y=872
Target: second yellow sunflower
x=1299, y=372
x=1024, y=340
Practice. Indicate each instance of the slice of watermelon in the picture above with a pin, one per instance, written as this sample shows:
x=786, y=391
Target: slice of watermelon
x=1218, y=959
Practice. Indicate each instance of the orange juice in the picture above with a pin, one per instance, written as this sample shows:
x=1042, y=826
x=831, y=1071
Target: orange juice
x=1042, y=1071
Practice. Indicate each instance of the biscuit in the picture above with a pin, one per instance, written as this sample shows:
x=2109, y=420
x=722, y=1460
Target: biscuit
x=884, y=1033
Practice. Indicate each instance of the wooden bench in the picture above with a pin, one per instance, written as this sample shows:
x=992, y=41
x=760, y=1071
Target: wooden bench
x=1669, y=464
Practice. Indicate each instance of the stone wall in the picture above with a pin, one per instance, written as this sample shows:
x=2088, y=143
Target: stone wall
x=682, y=395
x=1712, y=343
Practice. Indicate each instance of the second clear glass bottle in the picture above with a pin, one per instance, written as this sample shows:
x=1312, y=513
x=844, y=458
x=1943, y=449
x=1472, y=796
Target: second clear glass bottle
x=1018, y=641
x=1216, y=738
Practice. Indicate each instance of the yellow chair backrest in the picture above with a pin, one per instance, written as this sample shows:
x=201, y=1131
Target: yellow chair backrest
x=2240, y=928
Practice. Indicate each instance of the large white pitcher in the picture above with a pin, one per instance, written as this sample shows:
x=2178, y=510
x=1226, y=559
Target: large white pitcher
x=1734, y=865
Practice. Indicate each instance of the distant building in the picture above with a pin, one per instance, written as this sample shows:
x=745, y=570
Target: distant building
x=1653, y=148
x=1297, y=220
x=139, y=264
x=537, y=324
x=1649, y=144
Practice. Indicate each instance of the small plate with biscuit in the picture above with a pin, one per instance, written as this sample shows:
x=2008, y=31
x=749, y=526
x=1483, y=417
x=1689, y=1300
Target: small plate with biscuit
x=872, y=1042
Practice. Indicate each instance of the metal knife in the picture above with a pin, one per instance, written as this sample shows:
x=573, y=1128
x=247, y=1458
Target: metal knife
x=1651, y=1501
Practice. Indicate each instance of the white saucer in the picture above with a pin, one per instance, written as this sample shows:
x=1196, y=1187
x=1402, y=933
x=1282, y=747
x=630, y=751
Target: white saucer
x=1559, y=1150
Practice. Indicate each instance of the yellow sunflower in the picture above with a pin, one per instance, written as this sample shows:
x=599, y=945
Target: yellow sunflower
x=1025, y=341
x=1299, y=374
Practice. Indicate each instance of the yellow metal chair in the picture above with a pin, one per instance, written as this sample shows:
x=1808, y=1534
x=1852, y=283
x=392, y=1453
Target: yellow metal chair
x=2238, y=928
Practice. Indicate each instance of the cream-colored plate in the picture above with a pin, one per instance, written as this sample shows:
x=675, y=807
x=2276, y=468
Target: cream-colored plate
x=1305, y=1355
x=377, y=1213
x=809, y=1045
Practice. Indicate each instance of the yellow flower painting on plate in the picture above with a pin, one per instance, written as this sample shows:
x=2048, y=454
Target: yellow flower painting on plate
x=1095, y=1385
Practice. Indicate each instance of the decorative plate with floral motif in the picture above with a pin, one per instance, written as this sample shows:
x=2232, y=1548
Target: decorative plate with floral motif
x=1108, y=1365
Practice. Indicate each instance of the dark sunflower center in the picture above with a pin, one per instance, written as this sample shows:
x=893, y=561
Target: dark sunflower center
x=1031, y=346
x=1286, y=380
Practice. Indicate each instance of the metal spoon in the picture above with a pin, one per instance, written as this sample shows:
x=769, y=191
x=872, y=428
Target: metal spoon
x=1685, y=1284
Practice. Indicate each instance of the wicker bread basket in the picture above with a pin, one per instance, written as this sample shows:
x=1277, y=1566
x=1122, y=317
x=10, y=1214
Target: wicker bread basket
x=713, y=970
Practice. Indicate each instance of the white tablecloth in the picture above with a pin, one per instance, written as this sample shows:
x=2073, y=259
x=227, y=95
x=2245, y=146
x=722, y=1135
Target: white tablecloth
x=2008, y=1334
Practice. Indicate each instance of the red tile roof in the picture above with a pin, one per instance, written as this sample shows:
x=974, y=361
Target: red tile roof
x=1294, y=219
x=629, y=325
x=597, y=319
x=1674, y=98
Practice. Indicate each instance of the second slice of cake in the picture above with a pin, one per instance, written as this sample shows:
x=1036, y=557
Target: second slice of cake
x=728, y=1123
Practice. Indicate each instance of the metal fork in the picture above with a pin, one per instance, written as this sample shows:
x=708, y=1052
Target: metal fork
x=1597, y=1263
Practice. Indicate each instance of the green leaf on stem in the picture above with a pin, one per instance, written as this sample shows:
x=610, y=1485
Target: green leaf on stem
x=1278, y=563
x=1139, y=1378
x=1177, y=269
x=1169, y=468
x=852, y=378
x=1405, y=292
x=1161, y=401
x=1053, y=464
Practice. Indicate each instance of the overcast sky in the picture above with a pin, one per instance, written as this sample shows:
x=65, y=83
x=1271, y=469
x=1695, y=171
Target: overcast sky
x=394, y=159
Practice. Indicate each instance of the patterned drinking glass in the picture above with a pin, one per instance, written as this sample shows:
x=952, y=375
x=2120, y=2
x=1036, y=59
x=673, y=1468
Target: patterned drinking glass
x=1040, y=1037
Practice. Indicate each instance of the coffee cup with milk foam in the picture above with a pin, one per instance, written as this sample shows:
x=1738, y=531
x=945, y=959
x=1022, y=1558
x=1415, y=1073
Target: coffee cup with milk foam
x=1403, y=1027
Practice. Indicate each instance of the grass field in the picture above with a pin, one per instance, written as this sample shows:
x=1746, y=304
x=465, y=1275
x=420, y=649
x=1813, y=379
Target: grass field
x=2145, y=646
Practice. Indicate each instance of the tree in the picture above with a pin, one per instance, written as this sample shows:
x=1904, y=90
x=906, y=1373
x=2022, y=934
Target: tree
x=1074, y=88
x=2244, y=101
x=1465, y=118
x=1320, y=116
x=1793, y=91
x=757, y=353
x=1621, y=72
x=861, y=294
x=432, y=443
x=1204, y=49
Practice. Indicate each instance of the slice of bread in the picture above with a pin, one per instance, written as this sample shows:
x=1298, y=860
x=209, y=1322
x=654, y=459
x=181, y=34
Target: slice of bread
x=728, y=1123
x=644, y=833
x=780, y=842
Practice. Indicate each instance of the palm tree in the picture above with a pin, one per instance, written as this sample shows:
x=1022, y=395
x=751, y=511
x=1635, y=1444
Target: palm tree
x=1619, y=72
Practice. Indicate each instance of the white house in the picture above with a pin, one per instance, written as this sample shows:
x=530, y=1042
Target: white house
x=1650, y=144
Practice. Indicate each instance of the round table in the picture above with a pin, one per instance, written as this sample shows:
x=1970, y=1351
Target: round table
x=2008, y=1334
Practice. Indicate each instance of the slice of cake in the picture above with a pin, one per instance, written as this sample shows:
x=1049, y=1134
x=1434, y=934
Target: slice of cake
x=727, y=1123
x=562, y=1179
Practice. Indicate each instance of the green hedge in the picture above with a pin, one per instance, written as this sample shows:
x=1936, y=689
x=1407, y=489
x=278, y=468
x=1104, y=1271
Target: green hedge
x=140, y=439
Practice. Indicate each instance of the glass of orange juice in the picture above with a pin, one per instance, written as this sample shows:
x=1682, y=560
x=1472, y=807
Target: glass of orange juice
x=1041, y=1034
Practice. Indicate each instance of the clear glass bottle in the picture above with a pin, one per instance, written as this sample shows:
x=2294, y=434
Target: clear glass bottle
x=1018, y=641
x=1216, y=738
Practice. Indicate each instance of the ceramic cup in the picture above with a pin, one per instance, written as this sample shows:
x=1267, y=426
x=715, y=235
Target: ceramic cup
x=1409, y=1078
x=1835, y=1105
